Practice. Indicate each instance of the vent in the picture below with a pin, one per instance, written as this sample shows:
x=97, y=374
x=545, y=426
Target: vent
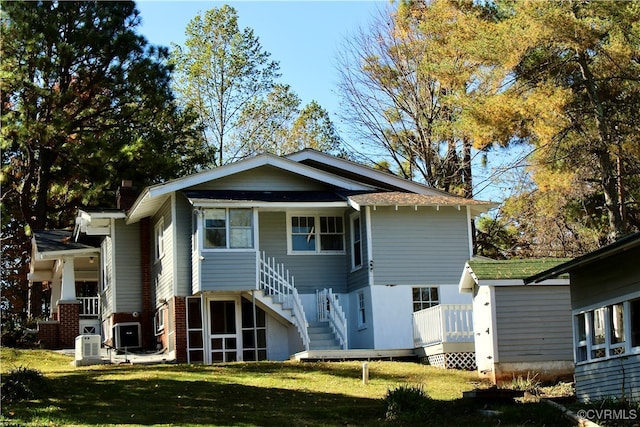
x=127, y=335
x=87, y=347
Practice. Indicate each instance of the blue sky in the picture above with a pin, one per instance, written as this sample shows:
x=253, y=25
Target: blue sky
x=303, y=36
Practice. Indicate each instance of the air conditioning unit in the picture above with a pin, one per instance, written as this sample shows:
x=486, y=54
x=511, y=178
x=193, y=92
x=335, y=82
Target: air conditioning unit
x=127, y=335
x=87, y=347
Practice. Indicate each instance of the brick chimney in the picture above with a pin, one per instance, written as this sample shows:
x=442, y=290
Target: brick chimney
x=126, y=195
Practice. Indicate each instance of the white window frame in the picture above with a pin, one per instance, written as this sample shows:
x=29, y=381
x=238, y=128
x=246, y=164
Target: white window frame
x=158, y=240
x=585, y=350
x=228, y=228
x=430, y=301
x=352, y=227
x=316, y=233
x=159, y=320
x=362, y=310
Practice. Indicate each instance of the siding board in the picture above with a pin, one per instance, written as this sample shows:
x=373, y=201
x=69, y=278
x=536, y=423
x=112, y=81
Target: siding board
x=598, y=380
x=427, y=246
x=264, y=178
x=228, y=271
x=126, y=253
x=533, y=323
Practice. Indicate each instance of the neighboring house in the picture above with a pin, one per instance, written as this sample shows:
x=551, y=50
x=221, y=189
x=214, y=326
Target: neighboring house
x=268, y=257
x=520, y=331
x=605, y=304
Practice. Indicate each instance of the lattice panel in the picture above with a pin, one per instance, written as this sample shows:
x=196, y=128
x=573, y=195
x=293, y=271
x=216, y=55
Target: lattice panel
x=463, y=360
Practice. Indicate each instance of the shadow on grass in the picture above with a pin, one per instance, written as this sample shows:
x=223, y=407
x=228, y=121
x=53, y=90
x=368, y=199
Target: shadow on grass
x=74, y=399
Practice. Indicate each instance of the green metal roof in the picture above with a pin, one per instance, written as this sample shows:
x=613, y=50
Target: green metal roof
x=486, y=269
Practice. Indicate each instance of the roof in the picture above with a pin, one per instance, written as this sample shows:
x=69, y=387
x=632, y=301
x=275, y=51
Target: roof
x=271, y=198
x=60, y=241
x=507, y=272
x=397, y=198
x=624, y=244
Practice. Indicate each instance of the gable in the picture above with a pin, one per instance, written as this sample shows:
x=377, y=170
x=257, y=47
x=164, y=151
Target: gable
x=263, y=178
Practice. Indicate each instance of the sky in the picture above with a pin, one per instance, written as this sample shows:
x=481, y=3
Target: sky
x=303, y=36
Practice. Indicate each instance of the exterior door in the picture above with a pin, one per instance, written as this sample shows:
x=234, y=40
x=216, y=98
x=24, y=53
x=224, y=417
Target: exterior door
x=223, y=329
x=482, y=328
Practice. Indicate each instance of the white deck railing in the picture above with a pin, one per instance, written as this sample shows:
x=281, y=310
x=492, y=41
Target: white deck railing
x=443, y=323
x=330, y=310
x=276, y=281
x=90, y=306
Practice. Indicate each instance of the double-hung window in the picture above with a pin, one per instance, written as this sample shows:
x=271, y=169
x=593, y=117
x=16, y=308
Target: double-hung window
x=356, y=242
x=316, y=234
x=158, y=238
x=607, y=331
x=227, y=228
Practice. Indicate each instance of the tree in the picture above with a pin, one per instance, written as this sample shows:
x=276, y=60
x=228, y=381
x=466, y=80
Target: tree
x=405, y=83
x=220, y=71
x=579, y=62
x=86, y=102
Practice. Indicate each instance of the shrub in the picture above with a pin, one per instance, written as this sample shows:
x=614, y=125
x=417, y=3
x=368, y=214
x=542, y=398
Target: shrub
x=22, y=383
x=406, y=403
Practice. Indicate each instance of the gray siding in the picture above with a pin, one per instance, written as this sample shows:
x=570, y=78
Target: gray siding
x=107, y=277
x=127, y=277
x=426, y=246
x=610, y=279
x=598, y=380
x=533, y=323
x=265, y=178
x=162, y=271
x=183, y=230
x=311, y=272
x=228, y=271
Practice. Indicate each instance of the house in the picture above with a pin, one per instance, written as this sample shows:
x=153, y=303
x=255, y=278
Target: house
x=605, y=308
x=520, y=331
x=261, y=259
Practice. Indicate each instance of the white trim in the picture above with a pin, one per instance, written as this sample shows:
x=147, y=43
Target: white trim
x=352, y=217
x=174, y=241
x=366, y=171
x=158, y=240
x=369, y=240
x=114, y=279
x=137, y=211
x=270, y=205
x=494, y=330
x=318, y=250
x=252, y=248
x=603, y=303
x=469, y=232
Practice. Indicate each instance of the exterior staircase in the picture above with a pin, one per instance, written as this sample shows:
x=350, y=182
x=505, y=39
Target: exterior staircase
x=321, y=337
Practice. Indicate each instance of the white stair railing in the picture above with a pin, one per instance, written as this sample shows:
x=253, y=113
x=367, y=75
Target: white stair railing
x=276, y=281
x=329, y=309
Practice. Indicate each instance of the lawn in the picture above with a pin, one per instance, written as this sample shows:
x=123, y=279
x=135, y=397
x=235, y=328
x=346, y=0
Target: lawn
x=247, y=394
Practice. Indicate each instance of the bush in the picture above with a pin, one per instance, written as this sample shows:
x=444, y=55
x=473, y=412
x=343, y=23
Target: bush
x=406, y=403
x=22, y=383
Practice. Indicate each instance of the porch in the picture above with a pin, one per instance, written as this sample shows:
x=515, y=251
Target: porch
x=443, y=335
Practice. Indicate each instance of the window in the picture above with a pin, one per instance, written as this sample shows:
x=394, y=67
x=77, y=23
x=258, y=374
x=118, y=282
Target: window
x=228, y=228
x=159, y=239
x=362, y=313
x=356, y=242
x=604, y=331
x=158, y=320
x=316, y=234
x=425, y=298
x=254, y=334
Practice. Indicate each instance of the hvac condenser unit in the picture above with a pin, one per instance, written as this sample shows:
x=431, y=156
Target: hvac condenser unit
x=127, y=335
x=87, y=347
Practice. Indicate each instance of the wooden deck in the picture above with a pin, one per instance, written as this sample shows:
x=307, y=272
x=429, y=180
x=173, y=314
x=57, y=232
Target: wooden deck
x=357, y=354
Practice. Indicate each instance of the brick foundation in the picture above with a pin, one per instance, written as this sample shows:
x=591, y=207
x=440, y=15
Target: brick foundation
x=180, y=328
x=49, y=334
x=69, y=315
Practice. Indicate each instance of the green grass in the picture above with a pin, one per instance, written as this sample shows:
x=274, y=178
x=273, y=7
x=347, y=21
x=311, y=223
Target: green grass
x=247, y=394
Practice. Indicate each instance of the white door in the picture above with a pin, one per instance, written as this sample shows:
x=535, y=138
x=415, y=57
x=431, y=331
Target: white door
x=224, y=331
